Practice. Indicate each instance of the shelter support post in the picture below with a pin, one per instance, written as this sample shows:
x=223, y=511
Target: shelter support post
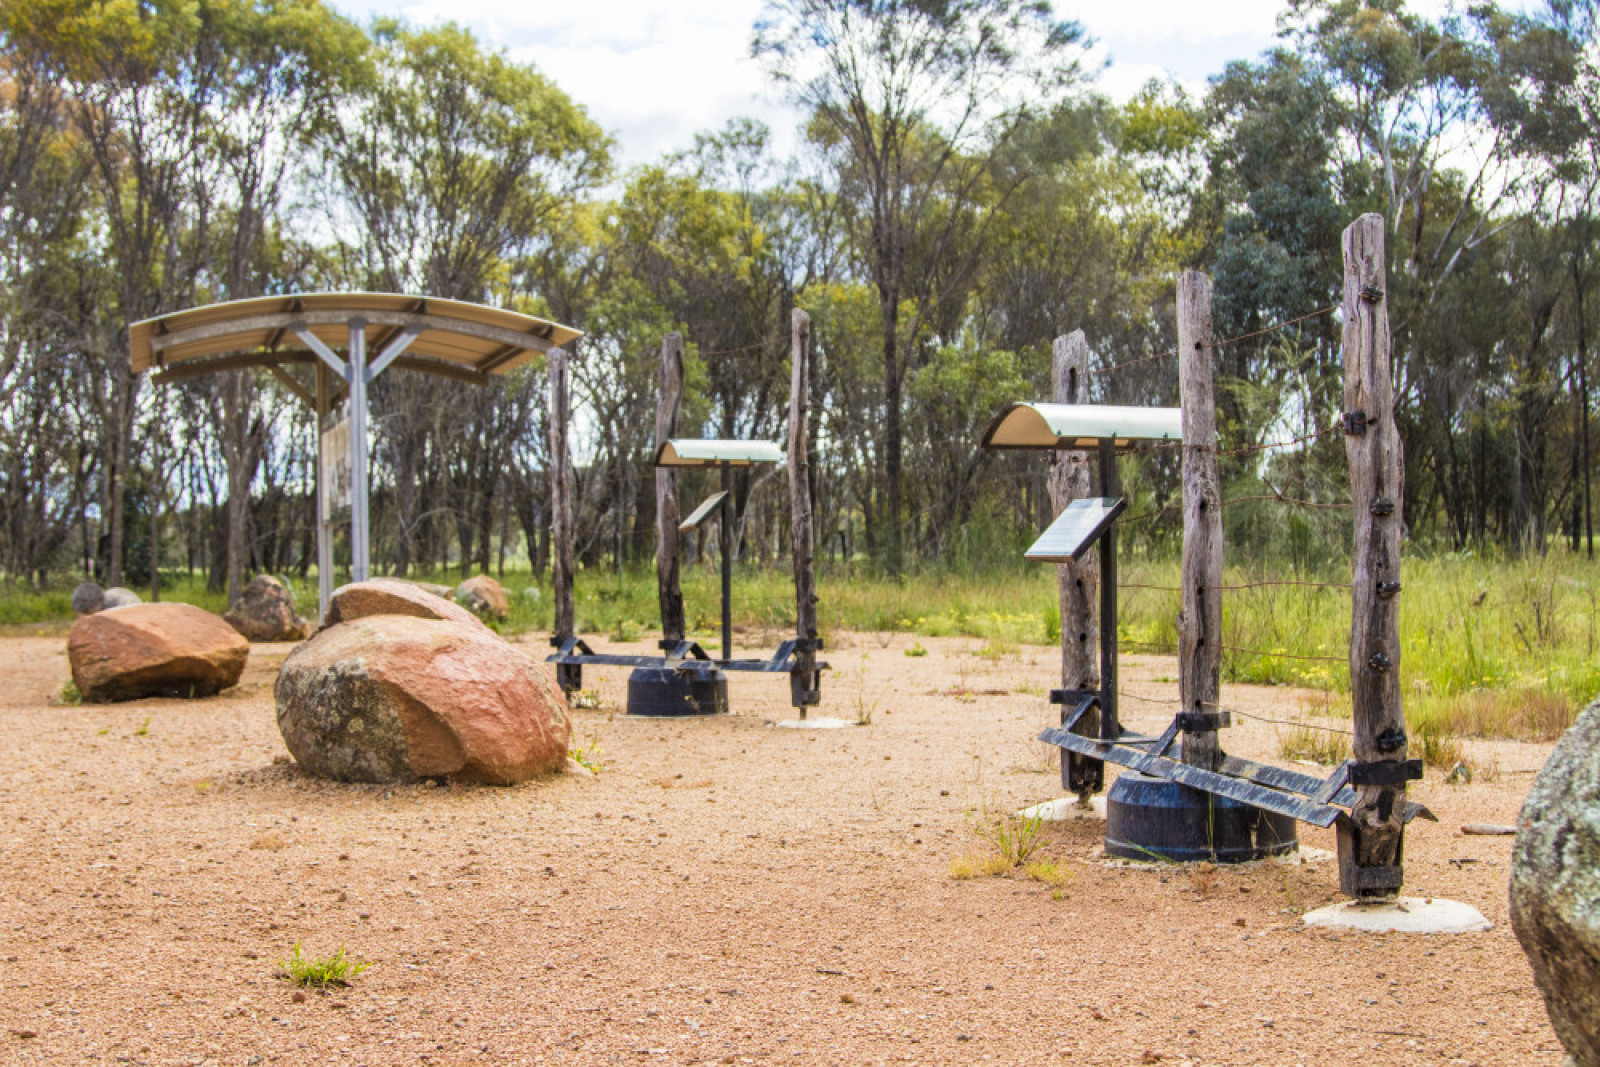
x=669, y=591
x=360, y=543
x=1200, y=615
x=1371, y=837
x=727, y=560
x=1069, y=481
x=805, y=682
x=324, y=378
x=563, y=630
x=1111, y=487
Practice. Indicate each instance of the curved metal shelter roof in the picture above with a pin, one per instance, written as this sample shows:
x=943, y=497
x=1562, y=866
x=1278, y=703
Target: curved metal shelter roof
x=1021, y=425
x=448, y=337
x=684, y=452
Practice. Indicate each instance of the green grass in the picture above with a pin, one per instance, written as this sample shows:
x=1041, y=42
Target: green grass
x=320, y=971
x=1490, y=646
x=1014, y=838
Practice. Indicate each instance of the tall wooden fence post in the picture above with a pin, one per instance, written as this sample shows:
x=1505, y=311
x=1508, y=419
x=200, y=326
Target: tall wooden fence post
x=1371, y=840
x=1200, y=616
x=804, y=685
x=668, y=590
x=565, y=626
x=1080, y=631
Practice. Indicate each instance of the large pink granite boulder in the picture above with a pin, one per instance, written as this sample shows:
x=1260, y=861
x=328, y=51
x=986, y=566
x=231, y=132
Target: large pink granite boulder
x=393, y=596
x=396, y=698
x=265, y=612
x=484, y=597
x=146, y=650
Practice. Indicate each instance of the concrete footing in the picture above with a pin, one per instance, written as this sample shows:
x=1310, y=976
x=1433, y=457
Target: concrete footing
x=815, y=724
x=1408, y=915
x=1067, y=808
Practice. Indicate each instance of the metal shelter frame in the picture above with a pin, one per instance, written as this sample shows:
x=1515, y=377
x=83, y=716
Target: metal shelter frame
x=684, y=656
x=450, y=338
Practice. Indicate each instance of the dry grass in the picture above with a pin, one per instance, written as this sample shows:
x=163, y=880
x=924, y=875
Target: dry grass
x=1527, y=714
x=269, y=842
x=965, y=867
x=1318, y=746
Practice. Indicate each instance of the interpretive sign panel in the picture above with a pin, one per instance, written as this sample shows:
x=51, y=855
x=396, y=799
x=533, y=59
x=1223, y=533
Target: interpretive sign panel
x=337, y=476
x=1075, y=529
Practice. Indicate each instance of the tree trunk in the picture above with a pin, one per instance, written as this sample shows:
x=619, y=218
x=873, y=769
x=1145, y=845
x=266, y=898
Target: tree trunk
x=894, y=548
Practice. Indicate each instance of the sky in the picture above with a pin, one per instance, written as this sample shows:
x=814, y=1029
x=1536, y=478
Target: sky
x=654, y=74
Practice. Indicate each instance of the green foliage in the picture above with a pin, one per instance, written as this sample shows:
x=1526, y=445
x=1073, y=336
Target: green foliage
x=336, y=969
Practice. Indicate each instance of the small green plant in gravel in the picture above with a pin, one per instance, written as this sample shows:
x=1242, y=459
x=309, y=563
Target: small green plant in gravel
x=587, y=756
x=1014, y=838
x=143, y=730
x=916, y=649
x=320, y=971
x=69, y=693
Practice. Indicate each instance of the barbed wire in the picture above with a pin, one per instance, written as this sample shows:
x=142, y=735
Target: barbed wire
x=1173, y=650
x=1238, y=586
x=1285, y=500
x=1168, y=702
x=1224, y=342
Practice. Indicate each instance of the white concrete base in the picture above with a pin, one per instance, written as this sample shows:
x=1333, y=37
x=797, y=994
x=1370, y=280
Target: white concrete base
x=815, y=724
x=1408, y=915
x=1066, y=809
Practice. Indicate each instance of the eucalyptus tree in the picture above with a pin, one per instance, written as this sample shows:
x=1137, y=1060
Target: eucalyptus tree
x=909, y=102
x=451, y=166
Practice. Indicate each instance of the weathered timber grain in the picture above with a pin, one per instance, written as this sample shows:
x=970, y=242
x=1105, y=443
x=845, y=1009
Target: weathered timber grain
x=561, y=496
x=669, y=591
x=802, y=534
x=1069, y=481
x=1077, y=581
x=1200, y=616
x=1376, y=493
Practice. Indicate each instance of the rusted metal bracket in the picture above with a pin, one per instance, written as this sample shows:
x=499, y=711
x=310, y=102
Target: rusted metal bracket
x=1385, y=772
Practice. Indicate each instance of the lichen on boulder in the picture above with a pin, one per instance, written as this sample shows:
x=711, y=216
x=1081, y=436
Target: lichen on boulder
x=402, y=697
x=1555, y=886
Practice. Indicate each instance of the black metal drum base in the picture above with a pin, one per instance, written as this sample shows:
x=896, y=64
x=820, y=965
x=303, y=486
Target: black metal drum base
x=657, y=691
x=1154, y=819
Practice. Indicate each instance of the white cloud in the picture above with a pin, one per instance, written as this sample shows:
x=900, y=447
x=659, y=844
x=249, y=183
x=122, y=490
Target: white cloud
x=656, y=74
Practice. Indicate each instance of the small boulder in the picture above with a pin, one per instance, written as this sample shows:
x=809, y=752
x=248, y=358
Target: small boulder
x=395, y=698
x=484, y=597
x=148, y=650
x=393, y=596
x=88, y=598
x=118, y=597
x=265, y=612
x=435, y=588
x=1555, y=886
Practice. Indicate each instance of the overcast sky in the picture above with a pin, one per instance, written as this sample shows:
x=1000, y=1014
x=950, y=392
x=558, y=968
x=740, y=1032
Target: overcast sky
x=655, y=74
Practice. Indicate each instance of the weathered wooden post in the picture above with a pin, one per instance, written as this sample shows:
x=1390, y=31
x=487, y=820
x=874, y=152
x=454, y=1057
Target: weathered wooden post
x=1200, y=616
x=324, y=404
x=668, y=589
x=570, y=676
x=1080, y=632
x=804, y=682
x=1371, y=839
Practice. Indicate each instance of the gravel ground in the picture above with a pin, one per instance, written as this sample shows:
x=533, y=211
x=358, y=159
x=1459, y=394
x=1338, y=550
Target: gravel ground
x=722, y=892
